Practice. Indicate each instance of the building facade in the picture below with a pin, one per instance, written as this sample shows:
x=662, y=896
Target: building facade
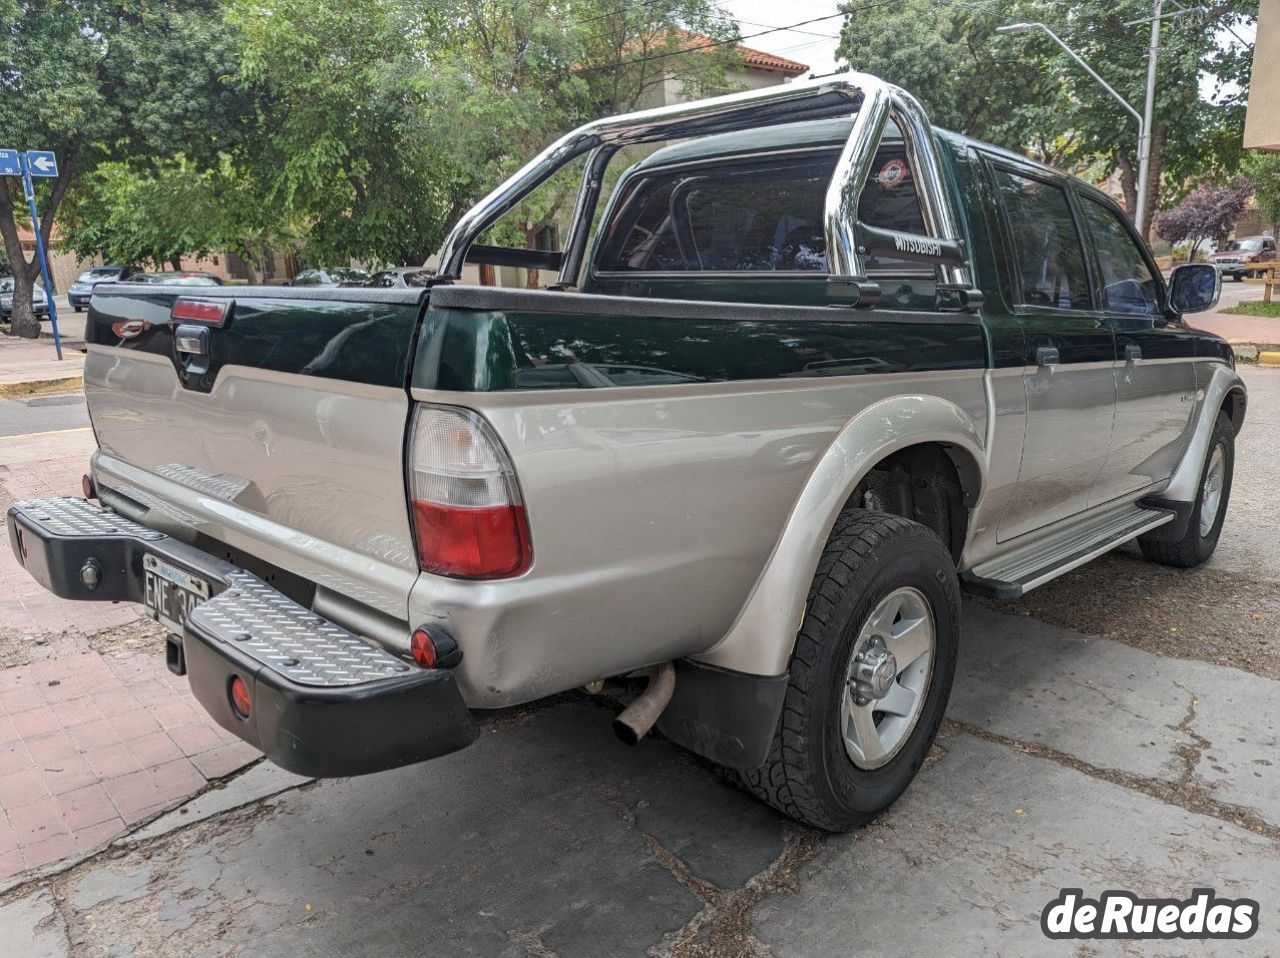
x=1262, y=121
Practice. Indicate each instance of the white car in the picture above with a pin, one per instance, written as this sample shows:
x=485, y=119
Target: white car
x=39, y=300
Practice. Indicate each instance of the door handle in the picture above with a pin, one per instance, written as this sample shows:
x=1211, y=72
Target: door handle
x=1132, y=352
x=1047, y=356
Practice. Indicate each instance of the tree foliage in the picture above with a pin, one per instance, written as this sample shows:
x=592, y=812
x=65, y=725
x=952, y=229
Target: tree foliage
x=1208, y=212
x=1024, y=92
x=511, y=77
x=129, y=214
x=1263, y=169
x=98, y=81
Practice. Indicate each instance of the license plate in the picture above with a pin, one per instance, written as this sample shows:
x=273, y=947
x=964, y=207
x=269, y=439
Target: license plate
x=170, y=593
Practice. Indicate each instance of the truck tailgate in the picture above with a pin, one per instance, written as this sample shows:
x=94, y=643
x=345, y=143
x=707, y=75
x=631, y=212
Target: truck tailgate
x=284, y=440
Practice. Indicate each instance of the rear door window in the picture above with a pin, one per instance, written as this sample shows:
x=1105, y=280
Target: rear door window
x=1128, y=285
x=1045, y=247
x=759, y=215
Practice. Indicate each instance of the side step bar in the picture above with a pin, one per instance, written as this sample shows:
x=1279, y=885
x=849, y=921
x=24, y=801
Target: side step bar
x=1021, y=569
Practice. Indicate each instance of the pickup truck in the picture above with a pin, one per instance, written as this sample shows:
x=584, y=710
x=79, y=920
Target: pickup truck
x=815, y=367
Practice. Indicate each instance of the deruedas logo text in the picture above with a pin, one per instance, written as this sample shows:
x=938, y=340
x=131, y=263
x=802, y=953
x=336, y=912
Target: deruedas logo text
x=1121, y=914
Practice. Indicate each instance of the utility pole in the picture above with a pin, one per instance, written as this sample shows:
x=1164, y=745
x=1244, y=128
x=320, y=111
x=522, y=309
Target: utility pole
x=1146, y=119
x=1144, y=137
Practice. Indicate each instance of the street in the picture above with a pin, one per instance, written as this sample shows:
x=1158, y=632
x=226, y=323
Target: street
x=1114, y=729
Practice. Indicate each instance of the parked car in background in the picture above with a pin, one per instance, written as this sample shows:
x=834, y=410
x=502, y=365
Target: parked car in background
x=38, y=299
x=400, y=277
x=177, y=279
x=335, y=276
x=80, y=291
x=1246, y=256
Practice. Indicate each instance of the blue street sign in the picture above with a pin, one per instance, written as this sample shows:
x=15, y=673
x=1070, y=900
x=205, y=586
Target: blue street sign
x=10, y=163
x=42, y=163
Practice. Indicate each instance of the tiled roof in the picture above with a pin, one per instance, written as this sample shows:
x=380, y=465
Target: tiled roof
x=751, y=59
x=760, y=60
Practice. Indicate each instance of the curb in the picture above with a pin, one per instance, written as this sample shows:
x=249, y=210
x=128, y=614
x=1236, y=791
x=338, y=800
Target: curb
x=37, y=387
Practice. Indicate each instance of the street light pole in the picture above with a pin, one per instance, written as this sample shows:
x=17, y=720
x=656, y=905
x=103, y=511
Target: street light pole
x=1144, y=138
x=1144, y=121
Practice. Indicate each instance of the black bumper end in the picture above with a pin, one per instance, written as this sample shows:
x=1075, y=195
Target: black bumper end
x=327, y=732
x=403, y=715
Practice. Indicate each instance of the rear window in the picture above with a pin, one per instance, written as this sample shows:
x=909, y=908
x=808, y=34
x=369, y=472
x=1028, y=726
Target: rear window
x=760, y=215
x=90, y=275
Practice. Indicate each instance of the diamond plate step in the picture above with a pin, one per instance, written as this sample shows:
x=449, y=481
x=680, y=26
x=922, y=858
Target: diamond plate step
x=291, y=639
x=1023, y=568
x=65, y=516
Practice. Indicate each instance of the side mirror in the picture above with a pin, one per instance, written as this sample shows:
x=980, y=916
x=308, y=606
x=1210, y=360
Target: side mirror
x=1194, y=287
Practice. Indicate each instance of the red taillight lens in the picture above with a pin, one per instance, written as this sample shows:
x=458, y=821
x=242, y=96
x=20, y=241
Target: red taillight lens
x=468, y=518
x=240, y=697
x=423, y=649
x=200, y=311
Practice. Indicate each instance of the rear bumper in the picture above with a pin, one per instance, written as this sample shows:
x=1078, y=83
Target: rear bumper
x=324, y=701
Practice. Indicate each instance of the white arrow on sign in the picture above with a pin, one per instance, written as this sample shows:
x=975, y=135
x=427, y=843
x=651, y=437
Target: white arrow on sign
x=44, y=164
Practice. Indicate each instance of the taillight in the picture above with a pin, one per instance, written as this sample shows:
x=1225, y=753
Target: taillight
x=468, y=518
x=213, y=312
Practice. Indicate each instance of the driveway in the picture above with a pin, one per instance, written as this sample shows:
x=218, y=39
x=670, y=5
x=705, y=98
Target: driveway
x=1115, y=729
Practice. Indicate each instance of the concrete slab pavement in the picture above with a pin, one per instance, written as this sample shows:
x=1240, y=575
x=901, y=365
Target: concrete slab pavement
x=548, y=837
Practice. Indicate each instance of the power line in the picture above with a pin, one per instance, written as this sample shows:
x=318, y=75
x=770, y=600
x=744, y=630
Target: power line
x=711, y=45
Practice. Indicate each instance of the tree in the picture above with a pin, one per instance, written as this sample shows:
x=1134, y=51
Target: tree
x=129, y=214
x=97, y=81
x=1209, y=212
x=510, y=77
x=1263, y=169
x=1024, y=92
x=339, y=102
x=380, y=122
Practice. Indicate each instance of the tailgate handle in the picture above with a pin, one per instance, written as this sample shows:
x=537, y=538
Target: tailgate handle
x=192, y=340
x=191, y=343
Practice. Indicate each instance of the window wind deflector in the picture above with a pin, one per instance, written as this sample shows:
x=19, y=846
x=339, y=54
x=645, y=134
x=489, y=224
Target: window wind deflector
x=510, y=256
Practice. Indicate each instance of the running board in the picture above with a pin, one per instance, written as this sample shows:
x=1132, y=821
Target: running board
x=1020, y=570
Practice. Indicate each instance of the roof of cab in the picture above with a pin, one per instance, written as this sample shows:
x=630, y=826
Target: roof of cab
x=811, y=133
x=816, y=134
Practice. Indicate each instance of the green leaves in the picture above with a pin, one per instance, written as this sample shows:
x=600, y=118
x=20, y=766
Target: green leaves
x=1022, y=91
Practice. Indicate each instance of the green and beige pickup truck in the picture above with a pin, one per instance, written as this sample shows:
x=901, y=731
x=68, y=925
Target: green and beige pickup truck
x=806, y=371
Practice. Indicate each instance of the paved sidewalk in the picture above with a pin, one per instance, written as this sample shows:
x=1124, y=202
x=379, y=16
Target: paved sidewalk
x=1259, y=330
x=31, y=365
x=96, y=735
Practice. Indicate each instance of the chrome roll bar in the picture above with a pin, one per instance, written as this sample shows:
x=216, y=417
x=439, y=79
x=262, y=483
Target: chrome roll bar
x=872, y=102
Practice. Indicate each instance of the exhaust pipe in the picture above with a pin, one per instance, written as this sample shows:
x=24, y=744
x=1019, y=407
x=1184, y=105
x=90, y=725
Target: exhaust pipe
x=633, y=722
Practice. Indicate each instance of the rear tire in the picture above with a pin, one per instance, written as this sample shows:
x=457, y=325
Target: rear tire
x=879, y=580
x=1210, y=508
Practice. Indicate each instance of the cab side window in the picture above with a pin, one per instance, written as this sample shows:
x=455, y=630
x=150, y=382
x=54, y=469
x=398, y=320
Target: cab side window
x=1047, y=254
x=757, y=215
x=1127, y=283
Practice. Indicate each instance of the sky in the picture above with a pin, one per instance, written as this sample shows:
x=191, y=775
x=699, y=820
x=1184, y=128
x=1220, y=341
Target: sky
x=814, y=44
